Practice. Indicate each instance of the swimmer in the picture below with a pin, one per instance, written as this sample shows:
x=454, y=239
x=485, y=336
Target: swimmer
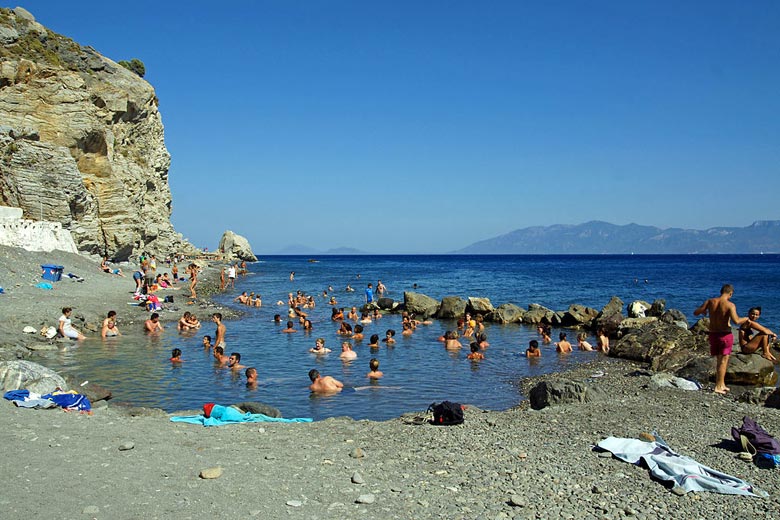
x=374, y=372
x=234, y=361
x=389, y=337
x=407, y=329
x=109, y=328
x=153, y=325
x=602, y=341
x=319, y=347
x=451, y=340
x=346, y=351
x=481, y=339
x=219, y=340
x=533, y=349
x=475, y=354
x=219, y=356
x=563, y=346
x=352, y=315
x=323, y=384
x=289, y=328
x=373, y=341
x=251, y=377
x=582, y=342
x=207, y=343
x=358, y=335
x=176, y=356
x=277, y=318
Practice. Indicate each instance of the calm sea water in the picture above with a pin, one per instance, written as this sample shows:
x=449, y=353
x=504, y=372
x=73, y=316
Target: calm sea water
x=418, y=371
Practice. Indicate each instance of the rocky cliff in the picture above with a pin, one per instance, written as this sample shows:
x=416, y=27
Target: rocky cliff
x=81, y=143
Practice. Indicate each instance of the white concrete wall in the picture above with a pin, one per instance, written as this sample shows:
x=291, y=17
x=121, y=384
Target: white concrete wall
x=34, y=236
x=8, y=213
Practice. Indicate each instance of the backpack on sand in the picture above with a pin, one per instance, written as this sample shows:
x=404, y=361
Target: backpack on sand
x=446, y=413
x=752, y=435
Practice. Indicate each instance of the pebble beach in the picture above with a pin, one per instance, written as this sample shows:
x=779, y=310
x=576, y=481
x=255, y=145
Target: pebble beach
x=123, y=462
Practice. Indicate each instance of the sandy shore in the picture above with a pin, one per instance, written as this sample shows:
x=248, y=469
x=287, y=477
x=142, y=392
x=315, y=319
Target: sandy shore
x=514, y=464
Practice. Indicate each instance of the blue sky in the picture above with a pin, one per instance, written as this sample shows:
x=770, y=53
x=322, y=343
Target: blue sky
x=421, y=127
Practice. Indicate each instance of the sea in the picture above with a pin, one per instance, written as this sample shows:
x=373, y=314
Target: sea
x=417, y=369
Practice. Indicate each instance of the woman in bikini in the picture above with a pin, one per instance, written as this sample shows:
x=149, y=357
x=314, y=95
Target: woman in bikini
x=753, y=336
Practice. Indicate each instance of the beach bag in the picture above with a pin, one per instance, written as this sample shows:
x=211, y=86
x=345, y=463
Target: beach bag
x=754, y=439
x=446, y=413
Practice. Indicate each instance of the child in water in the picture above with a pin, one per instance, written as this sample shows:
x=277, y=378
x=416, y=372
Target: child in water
x=374, y=373
x=176, y=356
x=475, y=354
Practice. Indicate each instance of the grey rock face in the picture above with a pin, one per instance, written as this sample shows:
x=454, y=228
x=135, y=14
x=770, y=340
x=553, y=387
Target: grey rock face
x=30, y=376
x=77, y=113
x=420, y=304
x=236, y=247
x=610, y=316
x=479, y=305
x=578, y=315
x=451, y=307
x=536, y=313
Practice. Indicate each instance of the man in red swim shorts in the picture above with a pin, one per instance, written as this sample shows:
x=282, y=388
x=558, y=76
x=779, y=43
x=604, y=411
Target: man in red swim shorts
x=721, y=312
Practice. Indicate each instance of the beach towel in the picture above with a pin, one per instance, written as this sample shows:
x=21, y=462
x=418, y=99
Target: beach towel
x=44, y=285
x=221, y=415
x=665, y=464
x=66, y=400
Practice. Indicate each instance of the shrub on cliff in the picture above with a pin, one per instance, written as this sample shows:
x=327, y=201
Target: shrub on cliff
x=134, y=65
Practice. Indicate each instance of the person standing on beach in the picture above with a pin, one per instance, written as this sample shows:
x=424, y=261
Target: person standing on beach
x=219, y=335
x=232, y=275
x=192, y=270
x=721, y=311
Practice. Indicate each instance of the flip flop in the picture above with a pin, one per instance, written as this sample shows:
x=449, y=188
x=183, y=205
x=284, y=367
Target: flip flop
x=743, y=455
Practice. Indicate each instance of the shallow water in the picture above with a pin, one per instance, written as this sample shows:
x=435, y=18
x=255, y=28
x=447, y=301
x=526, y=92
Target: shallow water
x=418, y=371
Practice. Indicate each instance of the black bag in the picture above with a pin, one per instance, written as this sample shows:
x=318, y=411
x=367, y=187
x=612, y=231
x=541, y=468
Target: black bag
x=446, y=413
x=168, y=299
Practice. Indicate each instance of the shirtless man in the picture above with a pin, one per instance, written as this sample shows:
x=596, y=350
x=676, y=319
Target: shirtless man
x=563, y=344
x=533, y=349
x=219, y=356
x=289, y=328
x=323, y=384
x=352, y=315
x=153, y=325
x=721, y=312
x=374, y=372
x=234, y=361
x=750, y=341
x=242, y=298
x=109, y=326
x=347, y=352
x=219, y=335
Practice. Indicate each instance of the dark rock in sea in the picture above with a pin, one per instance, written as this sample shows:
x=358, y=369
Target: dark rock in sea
x=255, y=407
x=452, y=307
x=637, y=309
x=610, y=317
x=420, y=304
x=93, y=391
x=385, y=303
x=578, y=315
x=657, y=308
x=479, y=305
x=506, y=313
x=551, y=393
x=537, y=313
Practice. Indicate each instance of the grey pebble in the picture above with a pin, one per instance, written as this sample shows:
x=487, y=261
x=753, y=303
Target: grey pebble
x=91, y=510
x=357, y=453
x=516, y=501
x=294, y=503
x=365, y=499
x=357, y=478
x=125, y=446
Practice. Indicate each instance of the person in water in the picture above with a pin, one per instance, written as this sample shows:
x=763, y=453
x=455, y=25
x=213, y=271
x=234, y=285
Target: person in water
x=323, y=384
x=176, y=356
x=533, y=349
x=374, y=372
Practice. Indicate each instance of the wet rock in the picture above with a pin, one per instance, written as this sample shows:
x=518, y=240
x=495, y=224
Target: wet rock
x=420, y=304
x=211, y=473
x=610, y=316
x=451, y=307
x=478, y=305
x=506, y=313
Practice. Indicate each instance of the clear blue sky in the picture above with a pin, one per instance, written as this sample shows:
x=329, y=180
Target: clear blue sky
x=424, y=126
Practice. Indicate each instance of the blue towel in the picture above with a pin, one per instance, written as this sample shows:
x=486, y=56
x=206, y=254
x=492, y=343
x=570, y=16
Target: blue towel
x=221, y=415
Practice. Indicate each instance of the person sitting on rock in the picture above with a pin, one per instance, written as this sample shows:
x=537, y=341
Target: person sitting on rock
x=66, y=328
x=563, y=346
x=533, y=349
x=753, y=336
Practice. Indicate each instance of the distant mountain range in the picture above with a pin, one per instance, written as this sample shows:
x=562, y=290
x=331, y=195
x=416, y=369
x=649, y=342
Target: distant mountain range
x=597, y=237
x=298, y=249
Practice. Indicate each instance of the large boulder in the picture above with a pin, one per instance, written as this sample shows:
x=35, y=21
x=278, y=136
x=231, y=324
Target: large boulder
x=537, y=313
x=26, y=375
x=451, y=307
x=578, y=315
x=385, y=303
x=637, y=309
x=479, y=305
x=743, y=369
x=506, y=313
x=236, y=247
x=420, y=304
x=657, y=308
x=629, y=325
x=610, y=316
x=551, y=393
x=653, y=342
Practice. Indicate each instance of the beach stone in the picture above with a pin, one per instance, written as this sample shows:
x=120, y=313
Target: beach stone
x=477, y=305
x=451, y=307
x=701, y=326
x=91, y=510
x=255, y=407
x=654, y=342
x=674, y=316
x=551, y=393
x=26, y=375
x=357, y=453
x=751, y=369
x=357, y=478
x=29, y=330
x=294, y=503
x=365, y=499
x=629, y=325
x=657, y=308
x=517, y=501
x=506, y=313
x=420, y=304
x=211, y=473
